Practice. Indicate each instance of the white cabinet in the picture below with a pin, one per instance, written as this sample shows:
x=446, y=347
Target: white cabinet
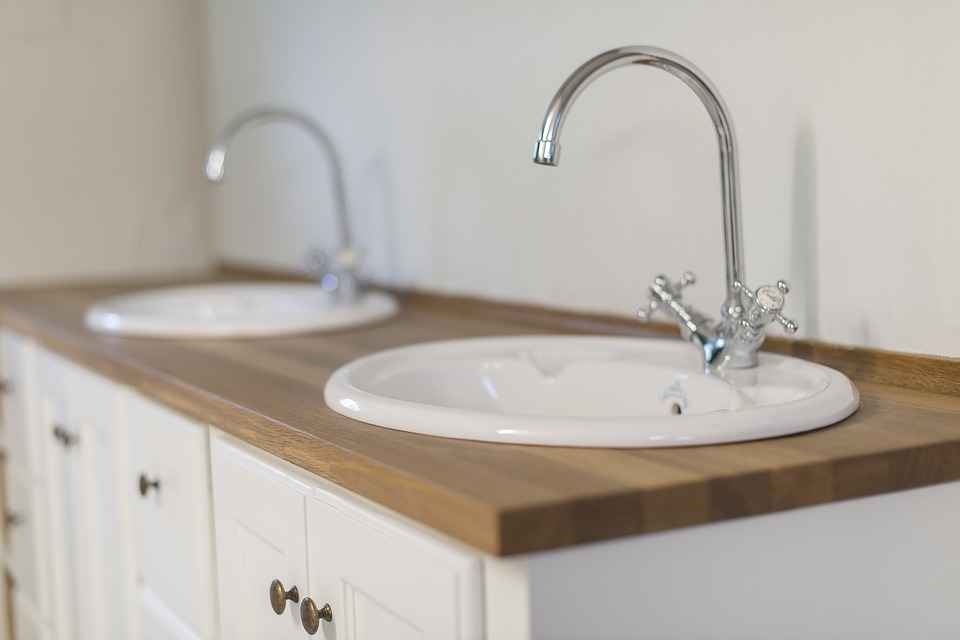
x=878, y=568
x=168, y=487
x=374, y=574
x=388, y=578
x=66, y=541
x=260, y=515
x=78, y=419
x=107, y=516
x=26, y=561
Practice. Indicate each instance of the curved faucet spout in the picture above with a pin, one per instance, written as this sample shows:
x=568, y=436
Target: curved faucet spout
x=217, y=154
x=547, y=150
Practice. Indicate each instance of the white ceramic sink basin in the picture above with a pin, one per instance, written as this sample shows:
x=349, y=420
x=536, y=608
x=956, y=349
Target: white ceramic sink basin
x=591, y=391
x=234, y=310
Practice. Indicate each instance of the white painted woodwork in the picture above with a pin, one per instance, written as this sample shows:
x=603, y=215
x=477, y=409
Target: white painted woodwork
x=172, y=524
x=260, y=516
x=91, y=583
x=27, y=623
x=5, y=595
x=877, y=568
x=60, y=601
x=383, y=576
x=105, y=574
x=158, y=621
x=388, y=578
x=26, y=555
x=17, y=372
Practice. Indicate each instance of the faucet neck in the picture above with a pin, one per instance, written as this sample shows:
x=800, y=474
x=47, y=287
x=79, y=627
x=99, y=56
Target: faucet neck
x=548, y=149
x=216, y=155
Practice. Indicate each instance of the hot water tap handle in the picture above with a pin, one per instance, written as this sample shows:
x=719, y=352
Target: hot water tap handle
x=661, y=290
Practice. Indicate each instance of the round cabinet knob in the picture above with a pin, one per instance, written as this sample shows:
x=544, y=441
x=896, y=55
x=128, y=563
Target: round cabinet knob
x=310, y=616
x=279, y=597
x=146, y=484
x=66, y=438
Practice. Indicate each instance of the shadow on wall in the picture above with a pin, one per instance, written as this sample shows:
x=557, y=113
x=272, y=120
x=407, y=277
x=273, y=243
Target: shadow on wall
x=804, y=260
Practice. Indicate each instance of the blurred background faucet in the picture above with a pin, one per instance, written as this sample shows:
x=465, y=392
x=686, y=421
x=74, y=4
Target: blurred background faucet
x=344, y=274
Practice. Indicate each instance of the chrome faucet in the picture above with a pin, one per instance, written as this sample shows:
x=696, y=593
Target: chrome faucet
x=734, y=340
x=344, y=274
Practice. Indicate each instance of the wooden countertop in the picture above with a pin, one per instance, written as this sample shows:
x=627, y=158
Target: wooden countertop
x=509, y=499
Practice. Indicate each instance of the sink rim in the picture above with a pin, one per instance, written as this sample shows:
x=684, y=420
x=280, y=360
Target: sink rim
x=125, y=315
x=345, y=394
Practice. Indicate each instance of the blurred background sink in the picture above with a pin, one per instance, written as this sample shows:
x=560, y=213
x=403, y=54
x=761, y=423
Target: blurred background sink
x=235, y=310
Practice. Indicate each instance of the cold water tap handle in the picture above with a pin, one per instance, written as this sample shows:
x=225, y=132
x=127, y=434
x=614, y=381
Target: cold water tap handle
x=764, y=305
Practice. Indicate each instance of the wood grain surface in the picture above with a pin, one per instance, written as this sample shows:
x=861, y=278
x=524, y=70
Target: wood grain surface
x=509, y=499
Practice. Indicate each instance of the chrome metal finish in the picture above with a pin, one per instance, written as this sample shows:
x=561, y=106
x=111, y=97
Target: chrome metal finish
x=717, y=341
x=146, y=484
x=344, y=273
x=310, y=615
x=763, y=307
x=279, y=596
x=66, y=438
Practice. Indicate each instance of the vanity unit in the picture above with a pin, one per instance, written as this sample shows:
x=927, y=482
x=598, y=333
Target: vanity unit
x=202, y=489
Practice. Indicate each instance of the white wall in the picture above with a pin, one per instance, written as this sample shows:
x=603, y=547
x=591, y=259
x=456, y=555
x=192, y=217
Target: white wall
x=846, y=114
x=101, y=140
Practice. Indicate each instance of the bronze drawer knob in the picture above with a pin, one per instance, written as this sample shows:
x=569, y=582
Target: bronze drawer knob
x=310, y=616
x=279, y=597
x=66, y=438
x=146, y=484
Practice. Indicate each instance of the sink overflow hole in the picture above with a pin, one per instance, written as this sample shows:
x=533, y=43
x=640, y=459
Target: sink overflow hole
x=675, y=409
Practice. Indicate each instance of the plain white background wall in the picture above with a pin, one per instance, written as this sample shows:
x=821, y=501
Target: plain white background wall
x=846, y=114
x=101, y=140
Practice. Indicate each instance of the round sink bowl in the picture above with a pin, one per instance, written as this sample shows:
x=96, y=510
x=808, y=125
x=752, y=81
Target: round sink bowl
x=591, y=391
x=234, y=310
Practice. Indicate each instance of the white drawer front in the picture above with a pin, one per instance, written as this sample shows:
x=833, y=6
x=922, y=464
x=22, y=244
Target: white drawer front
x=172, y=513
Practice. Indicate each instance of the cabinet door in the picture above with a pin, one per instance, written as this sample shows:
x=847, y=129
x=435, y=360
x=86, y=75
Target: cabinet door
x=26, y=527
x=158, y=621
x=16, y=402
x=27, y=624
x=169, y=486
x=260, y=515
x=85, y=546
x=105, y=581
x=384, y=577
x=26, y=551
x=64, y=497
